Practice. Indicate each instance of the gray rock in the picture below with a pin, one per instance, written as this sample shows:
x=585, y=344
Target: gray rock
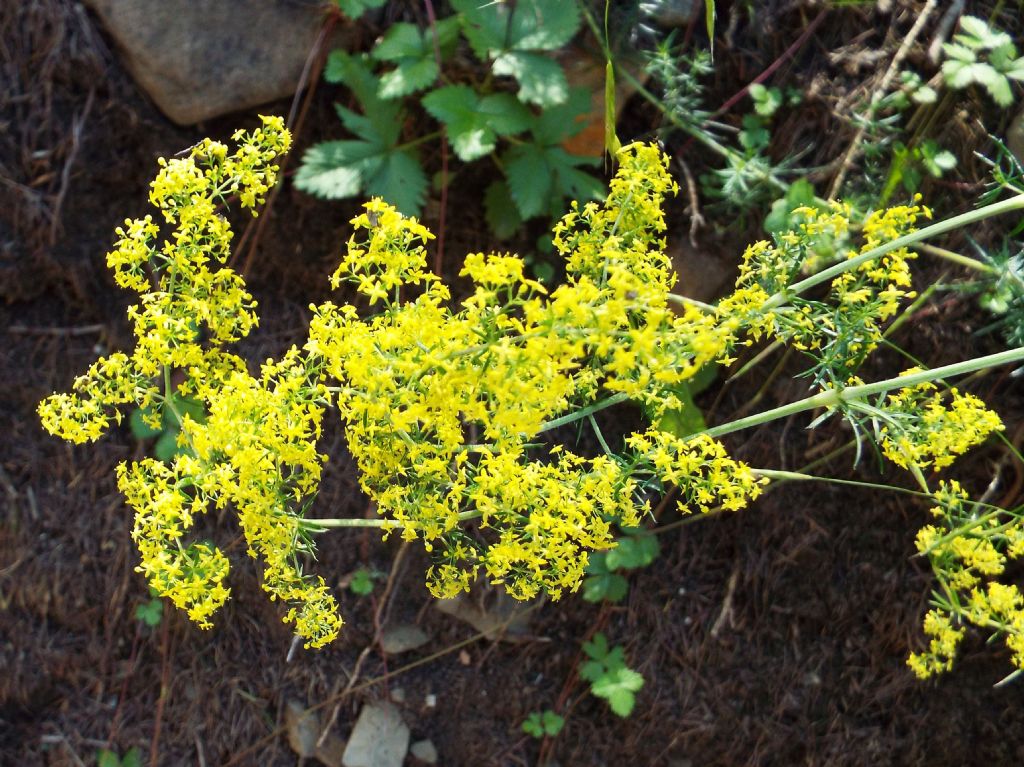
x=379, y=739
x=402, y=638
x=425, y=751
x=198, y=59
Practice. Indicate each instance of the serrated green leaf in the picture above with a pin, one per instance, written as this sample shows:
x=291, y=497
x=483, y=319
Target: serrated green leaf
x=533, y=725
x=410, y=76
x=529, y=178
x=503, y=218
x=556, y=124
x=353, y=71
x=447, y=31
x=543, y=25
x=505, y=114
x=958, y=54
x=336, y=169
x=570, y=181
x=379, y=126
x=924, y=95
x=983, y=35
x=618, y=679
x=591, y=670
x=401, y=181
x=541, y=80
x=997, y=86
x=107, y=758
x=494, y=27
x=402, y=40
x=132, y=758
x=960, y=75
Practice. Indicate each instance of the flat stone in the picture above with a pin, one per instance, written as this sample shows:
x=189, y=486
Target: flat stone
x=199, y=59
x=425, y=751
x=402, y=638
x=379, y=739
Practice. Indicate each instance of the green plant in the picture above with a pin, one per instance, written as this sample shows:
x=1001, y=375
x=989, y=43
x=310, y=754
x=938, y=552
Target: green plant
x=107, y=758
x=150, y=612
x=609, y=676
x=361, y=582
x=981, y=55
x=521, y=133
x=540, y=724
x=452, y=412
x=356, y=8
x=164, y=424
x=636, y=549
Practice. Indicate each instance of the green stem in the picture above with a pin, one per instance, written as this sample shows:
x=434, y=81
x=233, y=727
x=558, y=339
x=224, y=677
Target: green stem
x=327, y=524
x=833, y=397
x=956, y=222
x=615, y=399
x=959, y=258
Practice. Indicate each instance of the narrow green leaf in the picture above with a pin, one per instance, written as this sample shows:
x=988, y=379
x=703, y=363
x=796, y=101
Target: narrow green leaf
x=612, y=145
x=709, y=24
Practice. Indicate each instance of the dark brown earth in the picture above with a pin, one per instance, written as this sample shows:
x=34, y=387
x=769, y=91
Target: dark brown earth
x=775, y=636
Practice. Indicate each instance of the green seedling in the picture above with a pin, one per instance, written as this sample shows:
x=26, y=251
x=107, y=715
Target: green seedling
x=609, y=676
x=107, y=758
x=981, y=55
x=150, y=612
x=542, y=724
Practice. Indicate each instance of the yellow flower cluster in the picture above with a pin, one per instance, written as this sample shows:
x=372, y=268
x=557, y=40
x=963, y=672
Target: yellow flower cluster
x=968, y=550
x=450, y=410
x=839, y=333
x=700, y=467
x=921, y=430
x=256, y=450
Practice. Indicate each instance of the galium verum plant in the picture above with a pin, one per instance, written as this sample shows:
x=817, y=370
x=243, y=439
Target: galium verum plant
x=451, y=409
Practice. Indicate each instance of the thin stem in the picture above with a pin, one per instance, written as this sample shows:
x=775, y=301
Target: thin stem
x=615, y=399
x=833, y=397
x=956, y=222
x=328, y=524
x=959, y=258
